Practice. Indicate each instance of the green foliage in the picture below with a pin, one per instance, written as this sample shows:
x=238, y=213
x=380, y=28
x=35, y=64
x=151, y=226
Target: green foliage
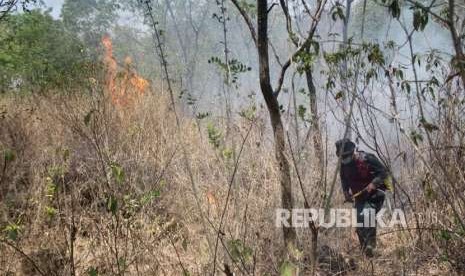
x=222, y=17
x=288, y=269
x=214, y=135
x=233, y=68
x=433, y=60
x=117, y=173
x=50, y=211
x=249, y=112
x=336, y=58
x=306, y=58
x=227, y=153
x=130, y=206
x=37, y=52
x=302, y=110
x=190, y=99
x=429, y=192
x=394, y=7
x=420, y=18
x=122, y=264
x=239, y=251
x=416, y=137
x=92, y=271
x=65, y=154
x=12, y=231
x=366, y=60
x=445, y=235
x=56, y=171
x=405, y=86
x=149, y=196
x=90, y=19
x=248, y=7
x=337, y=12
x=112, y=205
x=428, y=126
x=202, y=115
x=184, y=244
x=50, y=188
x=375, y=55
x=9, y=155
x=88, y=117
x=400, y=253
x=339, y=95
x=7, y=7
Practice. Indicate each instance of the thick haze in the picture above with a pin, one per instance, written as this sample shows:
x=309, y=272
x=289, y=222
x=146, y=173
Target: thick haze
x=207, y=86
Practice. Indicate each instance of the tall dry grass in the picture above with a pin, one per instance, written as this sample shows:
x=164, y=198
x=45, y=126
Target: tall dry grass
x=92, y=188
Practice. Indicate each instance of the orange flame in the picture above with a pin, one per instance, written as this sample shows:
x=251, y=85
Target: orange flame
x=123, y=87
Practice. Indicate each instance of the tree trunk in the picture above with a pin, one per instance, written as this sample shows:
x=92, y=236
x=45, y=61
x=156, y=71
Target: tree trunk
x=275, y=116
x=345, y=41
x=457, y=41
x=315, y=125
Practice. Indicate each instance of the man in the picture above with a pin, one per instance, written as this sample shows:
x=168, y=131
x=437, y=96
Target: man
x=363, y=181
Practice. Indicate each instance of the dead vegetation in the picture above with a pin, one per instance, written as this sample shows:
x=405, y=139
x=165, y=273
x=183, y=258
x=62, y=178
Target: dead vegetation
x=91, y=188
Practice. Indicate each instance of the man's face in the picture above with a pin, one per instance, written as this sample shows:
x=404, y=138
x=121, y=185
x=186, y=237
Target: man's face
x=346, y=159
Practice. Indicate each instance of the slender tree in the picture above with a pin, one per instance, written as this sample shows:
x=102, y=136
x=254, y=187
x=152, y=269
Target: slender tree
x=260, y=37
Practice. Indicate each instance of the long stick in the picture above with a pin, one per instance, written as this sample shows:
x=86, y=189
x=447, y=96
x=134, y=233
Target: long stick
x=228, y=195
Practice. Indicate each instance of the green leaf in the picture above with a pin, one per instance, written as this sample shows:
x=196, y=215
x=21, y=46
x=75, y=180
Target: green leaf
x=301, y=112
x=248, y=113
x=66, y=155
x=420, y=19
x=9, y=155
x=146, y=198
x=202, y=115
x=394, y=8
x=406, y=86
x=50, y=211
x=239, y=251
x=117, y=172
x=122, y=263
x=339, y=95
x=214, y=135
x=376, y=55
x=337, y=12
x=227, y=153
x=92, y=271
x=184, y=244
x=12, y=230
x=50, y=188
x=416, y=19
x=416, y=137
x=288, y=269
x=88, y=117
x=428, y=126
x=445, y=235
x=429, y=192
x=112, y=205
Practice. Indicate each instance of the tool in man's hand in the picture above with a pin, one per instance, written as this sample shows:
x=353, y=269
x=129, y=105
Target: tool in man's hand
x=354, y=196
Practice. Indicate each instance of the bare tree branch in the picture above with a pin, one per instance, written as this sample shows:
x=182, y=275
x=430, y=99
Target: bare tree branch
x=305, y=45
x=247, y=20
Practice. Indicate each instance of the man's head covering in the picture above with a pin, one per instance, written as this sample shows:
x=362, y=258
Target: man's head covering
x=345, y=147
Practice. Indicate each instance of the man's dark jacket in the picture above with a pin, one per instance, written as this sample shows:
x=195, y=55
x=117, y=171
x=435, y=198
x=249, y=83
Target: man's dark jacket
x=364, y=169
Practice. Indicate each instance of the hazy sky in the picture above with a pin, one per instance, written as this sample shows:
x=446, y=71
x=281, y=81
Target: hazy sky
x=55, y=5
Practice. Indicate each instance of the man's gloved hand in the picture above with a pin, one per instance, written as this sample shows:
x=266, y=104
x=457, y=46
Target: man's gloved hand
x=348, y=196
x=371, y=188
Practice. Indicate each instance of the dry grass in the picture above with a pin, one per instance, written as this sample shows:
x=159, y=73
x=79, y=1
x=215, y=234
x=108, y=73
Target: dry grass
x=65, y=189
